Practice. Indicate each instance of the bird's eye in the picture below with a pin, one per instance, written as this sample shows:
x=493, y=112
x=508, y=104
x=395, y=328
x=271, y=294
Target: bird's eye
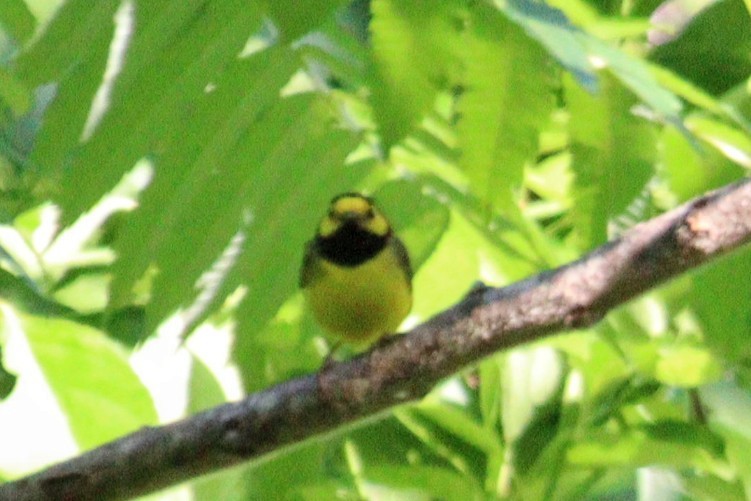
x=370, y=214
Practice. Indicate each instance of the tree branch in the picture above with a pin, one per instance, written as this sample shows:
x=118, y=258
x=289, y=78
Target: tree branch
x=406, y=368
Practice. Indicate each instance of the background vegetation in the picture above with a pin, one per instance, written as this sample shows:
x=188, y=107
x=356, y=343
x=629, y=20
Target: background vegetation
x=163, y=163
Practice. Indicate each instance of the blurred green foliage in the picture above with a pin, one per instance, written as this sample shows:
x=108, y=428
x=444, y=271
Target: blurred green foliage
x=163, y=163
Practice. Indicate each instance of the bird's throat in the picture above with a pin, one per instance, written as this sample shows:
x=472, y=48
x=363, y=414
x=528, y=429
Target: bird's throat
x=350, y=245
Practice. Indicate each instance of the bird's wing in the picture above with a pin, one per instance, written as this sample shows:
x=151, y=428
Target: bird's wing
x=309, y=268
x=403, y=257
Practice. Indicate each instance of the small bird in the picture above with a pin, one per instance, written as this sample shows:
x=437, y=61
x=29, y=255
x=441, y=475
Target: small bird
x=356, y=276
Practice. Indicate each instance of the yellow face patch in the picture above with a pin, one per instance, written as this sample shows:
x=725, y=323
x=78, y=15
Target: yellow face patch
x=356, y=208
x=350, y=204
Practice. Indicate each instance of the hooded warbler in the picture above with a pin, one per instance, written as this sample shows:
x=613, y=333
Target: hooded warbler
x=356, y=276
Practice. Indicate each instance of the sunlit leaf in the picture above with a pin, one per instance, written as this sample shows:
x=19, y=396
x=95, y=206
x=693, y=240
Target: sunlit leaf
x=687, y=366
x=205, y=392
x=556, y=33
x=90, y=376
x=505, y=102
x=413, y=50
x=417, y=482
x=720, y=302
x=668, y=443
x=71, y=55
x=609, y=172
x=729, y=141
x=17, y=20
x=689, y=171
x=13, y=94
x=530, y=379
x=729, y=407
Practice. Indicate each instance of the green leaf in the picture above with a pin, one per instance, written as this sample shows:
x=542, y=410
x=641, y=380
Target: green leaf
x=711, y=487
x=416, y=482
x=687, y=366
x=459, y=423
x=17, y=20
x=554, y=31
x=490, y=372
x=675, y=444
x=613, y=157
x=729, y=408
x=436, y=440
x=506, y=101
x=289, y=332
x=72, y=56
x=7, y=379
x=729, y=141
x=126, y=325
x=532, y=385
x=204, y=391
x=531, y=378
x=713, y=51
x=636, y=76
x=168, y=65
x=89, y=374
x=719, y=299
x=687, y=90
x=289, y=473
x=609, y=402
x=297, y=18
x=689, y=172
x=70, y=38
x=201, y=195
x=443, y=279
x=13, y=93
x=393, y=438
x=577, y=51
x=413, y=57
x=86, y=293
x=25, y=295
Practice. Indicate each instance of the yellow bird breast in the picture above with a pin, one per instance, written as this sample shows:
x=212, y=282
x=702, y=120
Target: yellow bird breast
x=361, y=303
